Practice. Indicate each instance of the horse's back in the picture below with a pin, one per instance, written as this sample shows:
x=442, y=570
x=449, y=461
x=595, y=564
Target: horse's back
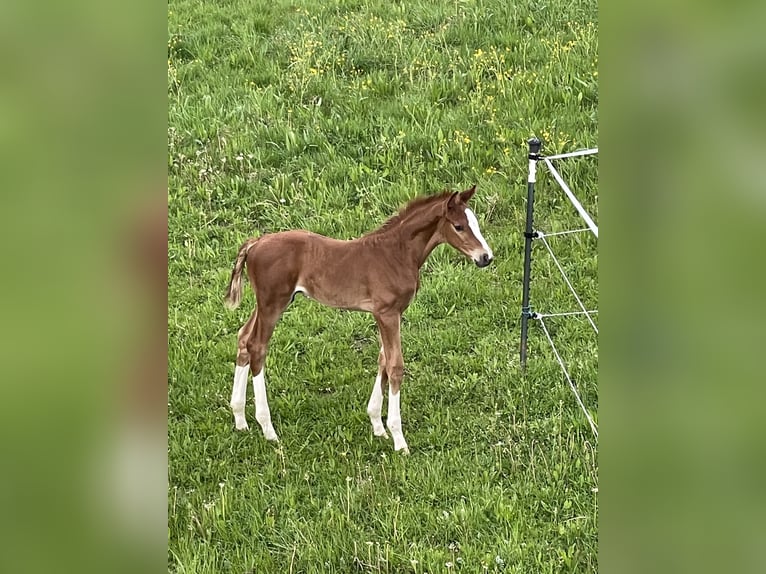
x=290, y=254
x=296, y=242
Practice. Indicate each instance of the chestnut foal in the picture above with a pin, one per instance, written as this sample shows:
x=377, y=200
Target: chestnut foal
x=378, y=273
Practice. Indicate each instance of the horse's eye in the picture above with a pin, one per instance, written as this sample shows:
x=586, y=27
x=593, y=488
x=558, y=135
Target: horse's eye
x=458, y=228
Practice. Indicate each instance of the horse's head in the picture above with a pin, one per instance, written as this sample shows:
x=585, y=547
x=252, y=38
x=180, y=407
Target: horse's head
x=460, y=228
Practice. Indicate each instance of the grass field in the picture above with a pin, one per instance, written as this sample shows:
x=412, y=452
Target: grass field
x=329, y=116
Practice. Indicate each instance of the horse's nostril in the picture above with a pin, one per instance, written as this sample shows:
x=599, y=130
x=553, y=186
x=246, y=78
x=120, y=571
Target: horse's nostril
x=483, y=260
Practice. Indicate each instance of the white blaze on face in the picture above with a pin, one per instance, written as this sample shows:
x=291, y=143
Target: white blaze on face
x=473, y=223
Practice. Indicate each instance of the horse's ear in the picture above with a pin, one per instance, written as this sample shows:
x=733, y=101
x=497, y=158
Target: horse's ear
x=453, y=200
x=468, y=194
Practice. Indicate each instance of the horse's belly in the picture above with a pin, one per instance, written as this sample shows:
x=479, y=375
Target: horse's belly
x=337, y=298
x=335, y=273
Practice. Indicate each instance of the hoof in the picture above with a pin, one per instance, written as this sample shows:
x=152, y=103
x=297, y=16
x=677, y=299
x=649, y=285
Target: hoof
x=270, y=435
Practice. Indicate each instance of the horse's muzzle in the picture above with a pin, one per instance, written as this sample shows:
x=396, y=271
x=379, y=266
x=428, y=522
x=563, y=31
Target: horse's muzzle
x=484, y=260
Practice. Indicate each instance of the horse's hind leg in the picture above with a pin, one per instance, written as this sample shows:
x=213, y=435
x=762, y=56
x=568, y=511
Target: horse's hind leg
x=375, y=406
x=390, y=335
x=241, y=368
x=257, y=347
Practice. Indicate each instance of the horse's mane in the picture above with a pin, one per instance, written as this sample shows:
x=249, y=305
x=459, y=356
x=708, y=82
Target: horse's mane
x=408, y=209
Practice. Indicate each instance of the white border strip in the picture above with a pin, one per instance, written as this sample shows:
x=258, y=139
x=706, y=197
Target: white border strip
x=532, y=178
x=574, y=153
x=580, y=209
x=571, y=384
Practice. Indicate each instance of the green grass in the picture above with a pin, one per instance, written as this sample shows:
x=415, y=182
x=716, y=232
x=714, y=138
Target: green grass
x=329, y=116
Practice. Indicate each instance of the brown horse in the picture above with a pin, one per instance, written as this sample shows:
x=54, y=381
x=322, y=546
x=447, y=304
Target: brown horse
x=378, y=273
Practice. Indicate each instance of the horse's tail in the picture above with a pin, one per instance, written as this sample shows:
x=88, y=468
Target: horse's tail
x=234, y=292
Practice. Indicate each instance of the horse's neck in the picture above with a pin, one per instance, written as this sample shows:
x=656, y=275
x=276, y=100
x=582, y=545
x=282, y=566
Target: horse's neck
x=434, y=242
x=418, y=235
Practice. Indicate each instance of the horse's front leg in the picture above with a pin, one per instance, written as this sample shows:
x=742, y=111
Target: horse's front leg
x=389, y=325
x=375, y=406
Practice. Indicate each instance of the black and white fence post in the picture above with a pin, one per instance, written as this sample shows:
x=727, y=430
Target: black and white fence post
x=529, y=234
